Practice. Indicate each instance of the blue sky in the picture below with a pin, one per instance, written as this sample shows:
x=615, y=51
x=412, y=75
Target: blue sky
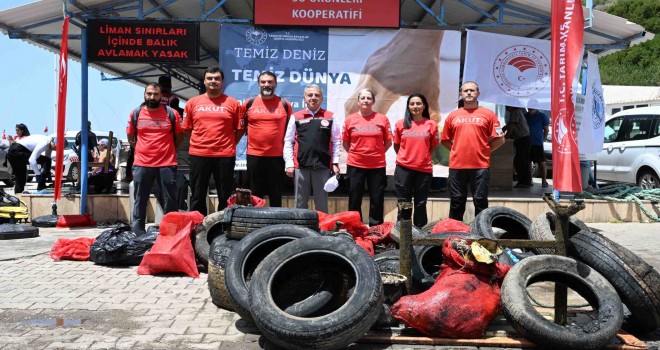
x=29, y=83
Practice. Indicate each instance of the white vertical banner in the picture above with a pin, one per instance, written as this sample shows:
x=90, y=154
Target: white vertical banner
x=592, y=128
x=510, y=70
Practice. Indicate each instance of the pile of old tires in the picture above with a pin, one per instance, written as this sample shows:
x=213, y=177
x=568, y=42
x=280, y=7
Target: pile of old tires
x=608, y=276
x=306, y=289
x=273, y=267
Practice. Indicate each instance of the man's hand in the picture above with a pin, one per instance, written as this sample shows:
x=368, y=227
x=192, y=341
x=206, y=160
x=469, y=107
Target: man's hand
x=289, y=171
x=397, y=69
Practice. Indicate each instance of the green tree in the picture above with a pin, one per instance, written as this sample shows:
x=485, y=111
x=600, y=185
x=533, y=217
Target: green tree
x=639, y=64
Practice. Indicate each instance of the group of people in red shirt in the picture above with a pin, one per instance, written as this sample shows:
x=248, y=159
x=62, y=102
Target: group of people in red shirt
x=306, y=146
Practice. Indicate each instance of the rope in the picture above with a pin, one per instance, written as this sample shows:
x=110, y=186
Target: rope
x=625, y=193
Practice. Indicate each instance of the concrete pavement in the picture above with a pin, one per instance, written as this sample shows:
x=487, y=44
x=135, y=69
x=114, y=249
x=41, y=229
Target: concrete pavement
x=79, y=305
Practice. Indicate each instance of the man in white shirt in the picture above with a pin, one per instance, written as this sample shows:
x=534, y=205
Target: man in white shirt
x=311, y=149
x=28, y=151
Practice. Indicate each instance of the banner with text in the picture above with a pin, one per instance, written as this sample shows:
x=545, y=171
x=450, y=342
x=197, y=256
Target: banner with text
x=592, y=130
x=344, y=13
x=567, y=37
x=510, y=70
x=143, y=41
x=394, y=63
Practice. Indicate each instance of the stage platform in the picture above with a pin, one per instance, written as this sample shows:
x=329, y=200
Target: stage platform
x=525, y=200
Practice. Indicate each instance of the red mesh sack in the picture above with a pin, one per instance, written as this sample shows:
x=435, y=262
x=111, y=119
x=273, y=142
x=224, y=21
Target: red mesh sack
x=461, y=303
x=71, y=249
x=322, y=215
x=380, y=233
x=75, y=221
x=349, y=218
x=366, y=245
x=173, y=250
x=450, y=225
x=256, y=201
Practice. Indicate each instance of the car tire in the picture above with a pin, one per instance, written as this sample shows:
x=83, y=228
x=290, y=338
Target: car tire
x=648, y=180
x=244, y=220
x=219, y=252
x=248, y=254
x=515, y=225
x=73, y=174
x=543, y=229
x=429, y=258
x=395, y=234
x=346, y=319
x=637, y=282
x=201, y=245
x=592, y=286
x=388, y=261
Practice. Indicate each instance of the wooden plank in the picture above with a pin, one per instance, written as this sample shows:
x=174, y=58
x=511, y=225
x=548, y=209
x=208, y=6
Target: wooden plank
x=630, y=342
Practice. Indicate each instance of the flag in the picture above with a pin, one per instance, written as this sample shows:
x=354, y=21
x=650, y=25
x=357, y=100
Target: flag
x=592, y=129
x=61, y=108
x=46, y=129
x=566, y=24
x=510, y=70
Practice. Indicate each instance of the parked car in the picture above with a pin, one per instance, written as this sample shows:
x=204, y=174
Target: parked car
x=70, y=170
x=631, y=148
x=5, y=168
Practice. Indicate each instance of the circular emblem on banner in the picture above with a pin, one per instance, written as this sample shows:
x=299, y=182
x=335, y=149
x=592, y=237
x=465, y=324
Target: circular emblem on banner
x=256, y=36
x=597, y=108
x=521, y=70
x=325, y=123
x=564, y=133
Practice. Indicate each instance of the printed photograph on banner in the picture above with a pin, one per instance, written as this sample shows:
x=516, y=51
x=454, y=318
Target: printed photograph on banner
x=393, y=63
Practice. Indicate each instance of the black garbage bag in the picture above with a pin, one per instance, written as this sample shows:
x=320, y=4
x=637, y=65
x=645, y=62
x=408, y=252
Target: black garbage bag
x=141, y=244
x=121, y=246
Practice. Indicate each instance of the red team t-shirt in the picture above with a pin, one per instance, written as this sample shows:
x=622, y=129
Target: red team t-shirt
x=415, y=144
x=266, y=125
x=155, y=142
x=471, y=130
x=213, y=122
x=367, y=136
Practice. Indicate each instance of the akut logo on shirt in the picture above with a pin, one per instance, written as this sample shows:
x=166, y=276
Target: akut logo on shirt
x=367, y=129
x=469, y=120
x=154, y=124
x=211, y=109
x=415, y=134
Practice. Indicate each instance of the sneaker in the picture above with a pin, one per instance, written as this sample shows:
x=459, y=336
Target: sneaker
x=544, y=184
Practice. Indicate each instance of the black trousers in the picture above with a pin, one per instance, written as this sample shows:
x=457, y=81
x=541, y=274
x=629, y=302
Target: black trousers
x=266, y=177
x=129, y=163
x=376, y=181
x=459, y=179
x=201, y=169
x=18, y=157
x=521, y=160
x=413, y=184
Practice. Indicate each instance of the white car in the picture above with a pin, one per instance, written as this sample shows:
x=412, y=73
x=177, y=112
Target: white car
x=631, y=148
x=70, y=172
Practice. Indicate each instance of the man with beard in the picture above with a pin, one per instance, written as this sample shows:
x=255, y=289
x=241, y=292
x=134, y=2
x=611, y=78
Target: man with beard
x=155, y=132
x=265, y=119
x=212, y=121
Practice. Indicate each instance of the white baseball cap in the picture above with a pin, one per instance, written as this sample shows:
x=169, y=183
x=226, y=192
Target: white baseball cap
x=331, y=184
